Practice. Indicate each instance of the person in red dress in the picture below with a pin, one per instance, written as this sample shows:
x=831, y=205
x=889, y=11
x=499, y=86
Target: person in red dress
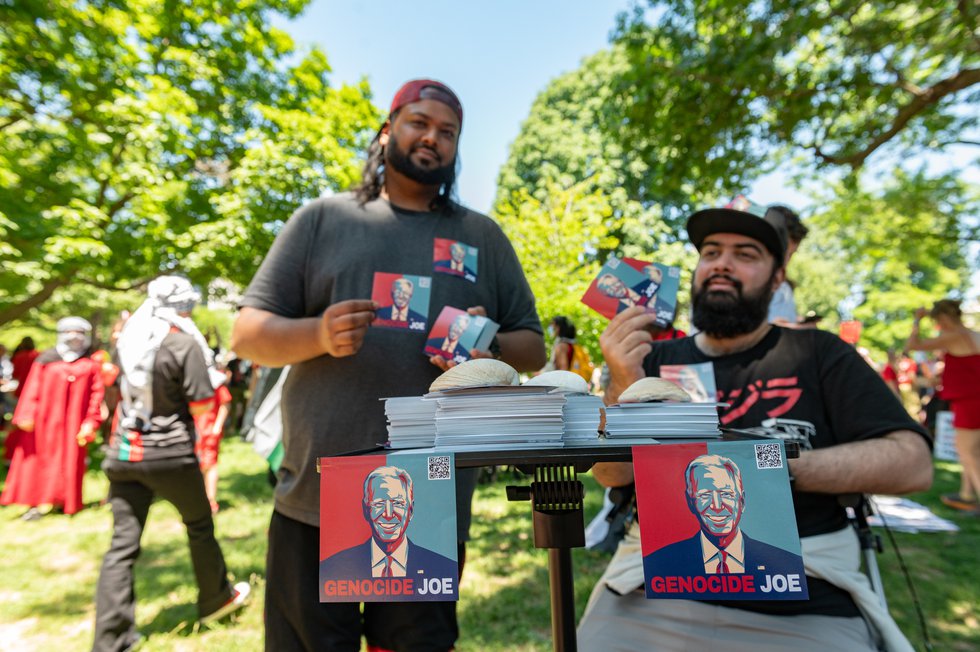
x=21, y=360
x=58, y=414
x=961, y=347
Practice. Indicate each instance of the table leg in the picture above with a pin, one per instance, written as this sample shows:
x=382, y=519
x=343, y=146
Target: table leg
x=562, y=600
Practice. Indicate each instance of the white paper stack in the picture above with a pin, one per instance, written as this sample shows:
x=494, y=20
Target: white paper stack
x=498, y=418
x=411, y=422
x=662, y=420
x=582, y=414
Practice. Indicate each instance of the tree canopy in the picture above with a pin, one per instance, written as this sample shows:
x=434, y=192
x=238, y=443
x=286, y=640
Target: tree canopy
x=840, y=80
x=146, y=137
x=693, y=101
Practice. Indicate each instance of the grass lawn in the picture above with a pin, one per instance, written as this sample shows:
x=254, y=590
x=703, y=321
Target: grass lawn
x=50, y=567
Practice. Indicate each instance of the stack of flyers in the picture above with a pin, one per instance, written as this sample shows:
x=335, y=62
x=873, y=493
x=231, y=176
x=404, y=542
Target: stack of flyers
x=456, y=333
x=629, y=282
x=389, y=530
x=411, y=422
x=662, y=420
x=582, y=416
x=498, y=418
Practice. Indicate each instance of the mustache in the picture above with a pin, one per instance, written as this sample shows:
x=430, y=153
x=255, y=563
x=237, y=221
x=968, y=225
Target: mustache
x=731, y=279
x=419, y=146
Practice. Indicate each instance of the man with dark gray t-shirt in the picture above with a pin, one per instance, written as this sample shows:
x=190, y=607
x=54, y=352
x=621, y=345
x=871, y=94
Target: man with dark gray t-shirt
x=310, y=306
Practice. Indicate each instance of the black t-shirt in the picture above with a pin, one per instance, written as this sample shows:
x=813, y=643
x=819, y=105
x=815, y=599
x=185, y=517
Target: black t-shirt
x=806, y=386
x=180, y=377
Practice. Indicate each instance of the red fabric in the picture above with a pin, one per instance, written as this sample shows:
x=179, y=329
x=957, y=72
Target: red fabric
x=22, y=362
x=961, y=377
x=966, y=413
x=48, y=464
x=906, y=371
x=669, y=333
x=889, y=374
x=209, y=435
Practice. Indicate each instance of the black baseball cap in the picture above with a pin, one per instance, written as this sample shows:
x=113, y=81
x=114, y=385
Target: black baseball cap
x=769, y=228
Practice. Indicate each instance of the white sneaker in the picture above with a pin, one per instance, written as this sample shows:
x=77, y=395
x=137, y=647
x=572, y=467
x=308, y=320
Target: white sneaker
x=239, y=596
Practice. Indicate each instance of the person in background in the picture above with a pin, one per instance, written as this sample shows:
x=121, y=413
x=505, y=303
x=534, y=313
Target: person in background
x=6, y=373
x=210, y=428
x=22, y=359
x=907, y=370
x=889, y=373
x=58, y=414
x=782, y=308
x=960, y=386
x=563, y=331
x=164, y=384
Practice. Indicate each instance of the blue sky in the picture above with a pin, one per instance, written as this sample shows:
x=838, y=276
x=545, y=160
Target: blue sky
x=497, y=56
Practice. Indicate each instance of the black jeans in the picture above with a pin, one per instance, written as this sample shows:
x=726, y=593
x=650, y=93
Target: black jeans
x=296, y=621
x=132, y=488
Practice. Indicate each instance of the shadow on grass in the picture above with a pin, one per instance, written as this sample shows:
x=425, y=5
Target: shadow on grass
x=506, y=600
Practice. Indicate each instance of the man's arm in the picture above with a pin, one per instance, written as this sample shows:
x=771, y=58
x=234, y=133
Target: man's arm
x=613, y=474
x=272, y=340
x=522, y=349
x=898, y=463
x=917, y=343
x=625, y=343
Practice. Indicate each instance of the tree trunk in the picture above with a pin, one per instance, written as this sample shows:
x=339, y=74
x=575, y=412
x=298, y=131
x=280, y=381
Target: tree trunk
x=18, y=310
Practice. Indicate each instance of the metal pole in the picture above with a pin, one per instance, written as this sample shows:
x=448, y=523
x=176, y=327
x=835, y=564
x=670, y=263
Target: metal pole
x=562, y=600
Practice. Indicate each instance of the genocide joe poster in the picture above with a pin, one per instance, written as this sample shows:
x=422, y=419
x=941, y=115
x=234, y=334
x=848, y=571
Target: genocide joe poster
x=388, y=528
x=717, y=522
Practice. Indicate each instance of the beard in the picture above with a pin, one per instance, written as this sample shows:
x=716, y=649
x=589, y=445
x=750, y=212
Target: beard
x=401, y=160
x=725, y=315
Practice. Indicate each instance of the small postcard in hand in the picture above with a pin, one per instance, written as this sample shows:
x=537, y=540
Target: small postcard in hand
x=629, y=282
x=717, y=522
x=403, y=301
x=388, y=528
x=454, y=258
x=457, y=333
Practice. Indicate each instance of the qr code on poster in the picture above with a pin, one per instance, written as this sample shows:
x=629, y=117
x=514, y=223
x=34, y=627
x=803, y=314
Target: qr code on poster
x=766, y=456
x=439, y=468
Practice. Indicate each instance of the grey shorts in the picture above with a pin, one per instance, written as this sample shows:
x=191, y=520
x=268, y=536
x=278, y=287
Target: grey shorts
x=630, y=622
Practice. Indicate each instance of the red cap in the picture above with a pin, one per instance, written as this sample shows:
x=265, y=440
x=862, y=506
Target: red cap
x=427, y=89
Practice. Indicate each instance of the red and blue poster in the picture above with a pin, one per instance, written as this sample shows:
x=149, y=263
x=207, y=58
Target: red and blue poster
x=454, y=258
x=629, y=282
x=456, y=333
x=717, y=522
x=388, y=528
x=403, y=301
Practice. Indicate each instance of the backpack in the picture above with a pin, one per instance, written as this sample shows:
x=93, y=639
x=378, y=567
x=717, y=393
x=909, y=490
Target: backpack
x=581, y=363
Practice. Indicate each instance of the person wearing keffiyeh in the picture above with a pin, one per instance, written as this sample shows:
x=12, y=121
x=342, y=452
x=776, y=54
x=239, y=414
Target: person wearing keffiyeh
x=57, y=416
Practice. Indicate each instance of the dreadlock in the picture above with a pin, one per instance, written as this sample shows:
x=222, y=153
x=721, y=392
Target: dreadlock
x=373, y=177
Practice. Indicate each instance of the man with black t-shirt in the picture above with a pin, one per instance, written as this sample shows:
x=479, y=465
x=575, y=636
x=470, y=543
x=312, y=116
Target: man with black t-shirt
x=167, y=378
x=803, y=385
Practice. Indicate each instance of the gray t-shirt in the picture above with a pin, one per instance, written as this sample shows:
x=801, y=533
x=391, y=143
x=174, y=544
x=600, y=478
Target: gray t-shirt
x=329, y=251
